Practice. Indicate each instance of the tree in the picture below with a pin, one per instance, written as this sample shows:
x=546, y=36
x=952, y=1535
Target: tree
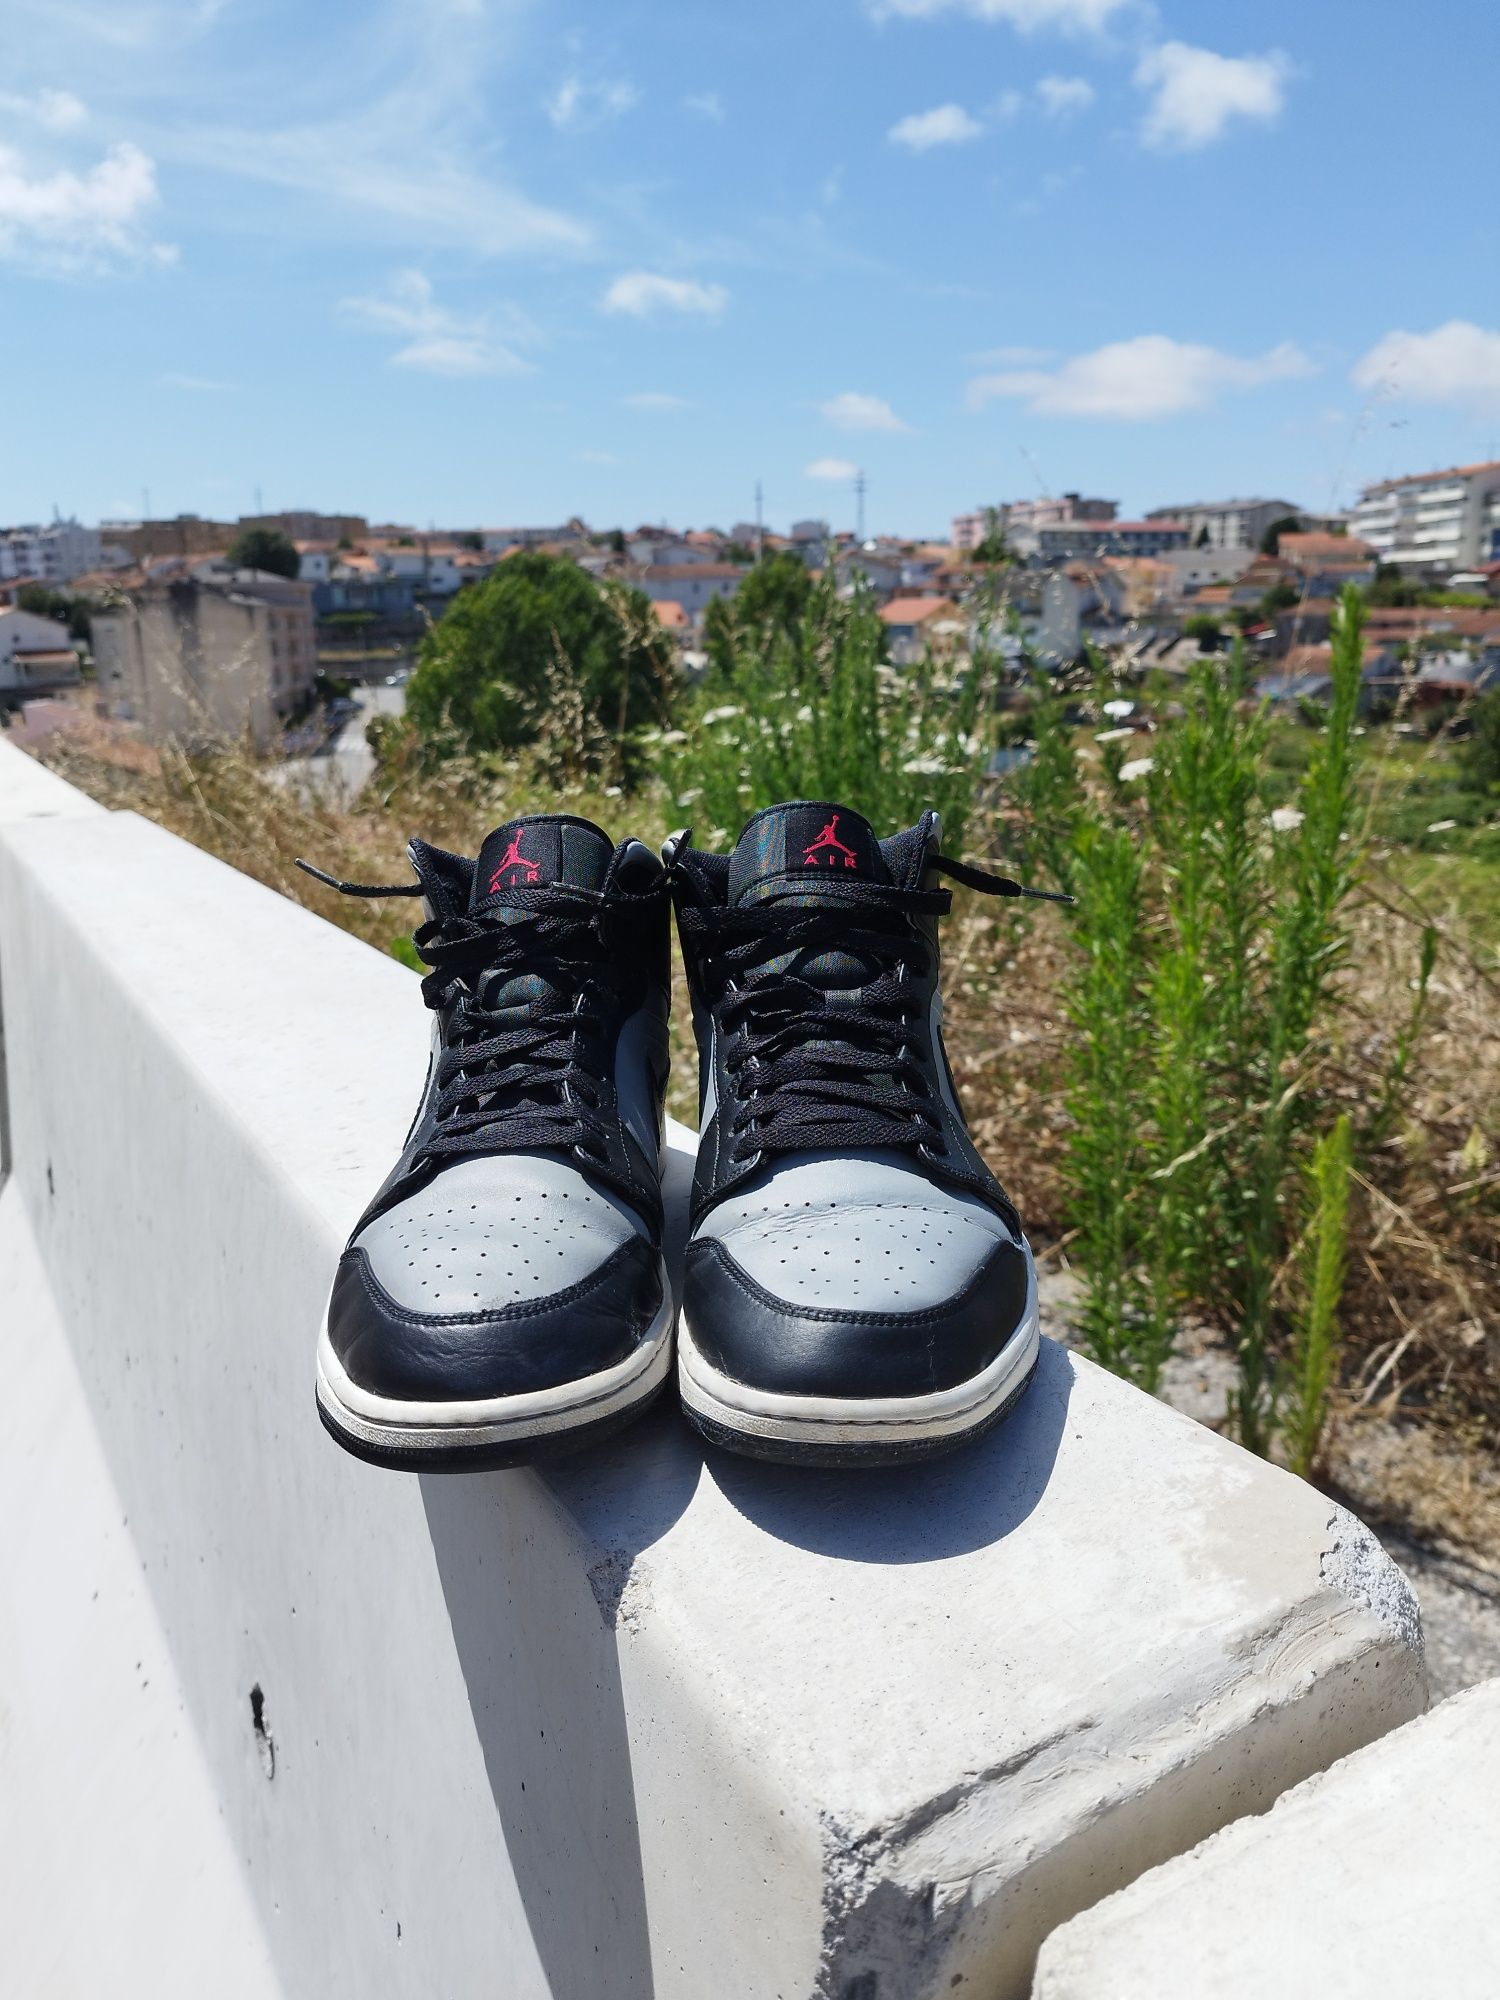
x=61, y=605
x=1201, y=539
x=770, y=608
x=992, y=547
x=1389, y=588
x=1270, y=541
x=266, y=549
x=1280, y=597
x=1206, y=630
x=536, y=633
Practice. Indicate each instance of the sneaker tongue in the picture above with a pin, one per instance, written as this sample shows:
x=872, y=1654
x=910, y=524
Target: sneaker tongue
x=796, y=848
x=538, y=849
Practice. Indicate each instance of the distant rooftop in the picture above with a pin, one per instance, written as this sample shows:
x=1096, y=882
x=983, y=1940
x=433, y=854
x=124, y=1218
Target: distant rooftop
x=1425, y=478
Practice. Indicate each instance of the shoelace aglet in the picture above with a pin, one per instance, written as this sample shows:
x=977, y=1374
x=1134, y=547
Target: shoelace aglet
x=358, y=888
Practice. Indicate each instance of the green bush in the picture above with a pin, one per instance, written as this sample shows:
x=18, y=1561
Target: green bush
x=1206, y=943
x=1479, y=756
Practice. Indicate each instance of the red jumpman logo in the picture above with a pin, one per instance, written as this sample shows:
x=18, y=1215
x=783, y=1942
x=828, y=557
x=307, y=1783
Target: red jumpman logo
x=829, y=840
x=514, y=858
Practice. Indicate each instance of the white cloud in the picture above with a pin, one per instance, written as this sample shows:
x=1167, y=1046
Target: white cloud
x=1132, y=380
x=1009, y=104
x=655, y=400
x=947, y=125
x=435, y=340
x=403, y=149
x=1061, y=96
x=591, y=457
x=641, y=293
x=853, y=412
x=831, y=468
x=576, y=106
x=53, y=110
x=77, y=221
x=1455, y=363
x=1029, y=16
x=1196, y=94
x=705, y=104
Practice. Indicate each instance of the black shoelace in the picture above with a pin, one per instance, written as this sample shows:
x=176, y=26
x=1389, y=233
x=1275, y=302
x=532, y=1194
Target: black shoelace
x=816, y=1069
x=524, y=1076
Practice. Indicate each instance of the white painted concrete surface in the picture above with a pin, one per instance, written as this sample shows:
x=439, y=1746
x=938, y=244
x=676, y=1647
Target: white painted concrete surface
x=647, y=1725
x=119, y=1873
x=28, y=790
x=1377, y=1880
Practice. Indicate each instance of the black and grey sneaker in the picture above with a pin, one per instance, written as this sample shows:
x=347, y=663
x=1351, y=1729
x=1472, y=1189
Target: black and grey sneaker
x=858, y=1286
x=504, y=1297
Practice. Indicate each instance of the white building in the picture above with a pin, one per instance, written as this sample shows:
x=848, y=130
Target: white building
x=1437, y=521
x=1231, y=524
x=318, y=561
x=35, y=653
x=495, y=541
x=433, y=573
x=1193, y=568
x=54, y=554
x=692, y=585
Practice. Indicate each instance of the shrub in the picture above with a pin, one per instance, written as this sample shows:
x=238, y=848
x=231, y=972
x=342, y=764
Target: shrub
x=813, y=711
x=1479, y=756
x=1206, y=944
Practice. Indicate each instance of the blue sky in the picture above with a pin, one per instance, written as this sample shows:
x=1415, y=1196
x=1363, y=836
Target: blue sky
x=478, y=261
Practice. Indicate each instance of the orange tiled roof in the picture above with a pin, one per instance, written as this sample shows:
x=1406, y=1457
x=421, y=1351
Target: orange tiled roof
x=917, y=610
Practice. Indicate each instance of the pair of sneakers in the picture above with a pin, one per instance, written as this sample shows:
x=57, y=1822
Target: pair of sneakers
x=857, y=1286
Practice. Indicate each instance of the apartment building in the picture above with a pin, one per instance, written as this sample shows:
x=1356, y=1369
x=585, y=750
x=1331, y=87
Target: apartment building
x=305, y=524
x=1070, y=541
x=209, y=655
x=1230, y=524
x=187, y=535
x=1435, y=522
x=1019, y=520
x=495, y=541
x=54, y=554
x=692, y=585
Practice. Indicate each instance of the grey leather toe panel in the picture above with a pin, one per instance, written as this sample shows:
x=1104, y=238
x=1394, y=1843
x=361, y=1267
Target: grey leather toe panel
x=493, y=1232
x=865, y=1234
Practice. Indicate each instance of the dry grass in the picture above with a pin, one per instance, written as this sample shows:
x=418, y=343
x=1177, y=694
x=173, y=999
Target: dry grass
x=1417, y=1408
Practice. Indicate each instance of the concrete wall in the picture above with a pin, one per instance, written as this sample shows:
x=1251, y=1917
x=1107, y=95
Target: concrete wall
x=648, y=1725
x=1377, y=1880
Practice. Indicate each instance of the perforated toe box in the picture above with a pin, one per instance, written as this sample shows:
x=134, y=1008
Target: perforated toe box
x=504, y=1275
x=853, y=1278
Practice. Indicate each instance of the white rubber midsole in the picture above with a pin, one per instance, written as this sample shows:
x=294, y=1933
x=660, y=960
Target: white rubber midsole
x=858, y=1420
x=498, y=1419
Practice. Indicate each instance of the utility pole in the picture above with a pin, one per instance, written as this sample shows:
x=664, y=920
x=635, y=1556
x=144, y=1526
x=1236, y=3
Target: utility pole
x=859, y=507
x=760, y=531
x=259, y=504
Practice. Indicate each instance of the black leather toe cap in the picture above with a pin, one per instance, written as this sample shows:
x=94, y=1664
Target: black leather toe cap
x=536, y=1344
x=785, y=1349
